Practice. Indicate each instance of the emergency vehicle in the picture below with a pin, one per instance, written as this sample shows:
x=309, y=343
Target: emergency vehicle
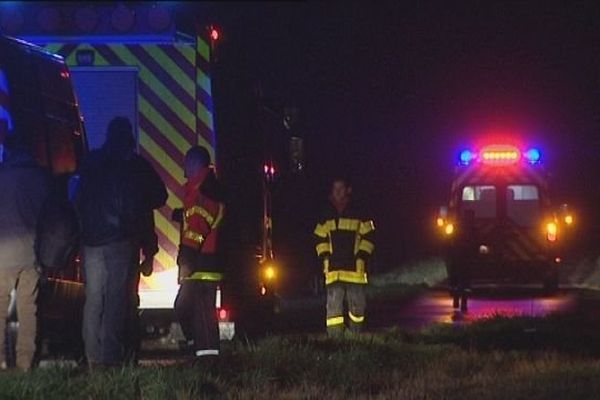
x=119, y=60
x=500, y=225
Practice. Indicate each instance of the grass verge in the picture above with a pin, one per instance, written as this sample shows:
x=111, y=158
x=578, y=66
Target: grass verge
x=493, y=359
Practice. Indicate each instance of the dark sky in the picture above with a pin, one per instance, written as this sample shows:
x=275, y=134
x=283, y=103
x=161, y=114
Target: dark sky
x=391, y=92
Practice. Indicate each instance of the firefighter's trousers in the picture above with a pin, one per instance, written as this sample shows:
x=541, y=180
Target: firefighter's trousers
x=351, y=294
x=197, y=315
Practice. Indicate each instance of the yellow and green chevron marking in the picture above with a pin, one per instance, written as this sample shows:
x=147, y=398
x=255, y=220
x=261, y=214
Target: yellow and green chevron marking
x=175, y=112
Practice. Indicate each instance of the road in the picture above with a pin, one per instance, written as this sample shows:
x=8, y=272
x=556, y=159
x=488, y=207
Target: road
x=432, y=306
x=435, y=306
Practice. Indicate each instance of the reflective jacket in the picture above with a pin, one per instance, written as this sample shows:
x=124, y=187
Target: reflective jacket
x=344, y=244
x=203, y=212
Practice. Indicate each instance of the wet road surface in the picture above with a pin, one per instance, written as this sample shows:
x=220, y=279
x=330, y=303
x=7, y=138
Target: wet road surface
x=435, y=306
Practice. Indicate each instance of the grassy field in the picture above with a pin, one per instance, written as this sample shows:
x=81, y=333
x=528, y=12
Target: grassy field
x=519, y=358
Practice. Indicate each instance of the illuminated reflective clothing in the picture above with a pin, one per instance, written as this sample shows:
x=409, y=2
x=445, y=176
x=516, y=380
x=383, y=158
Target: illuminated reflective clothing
x=344, y=243
x=199, y=269
x=202, y=214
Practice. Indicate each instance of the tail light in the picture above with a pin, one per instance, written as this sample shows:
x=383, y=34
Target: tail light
x=222, y=314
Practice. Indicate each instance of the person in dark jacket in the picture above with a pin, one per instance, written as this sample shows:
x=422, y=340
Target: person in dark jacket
x=24, y=188
x=344, y=244
x=114, y=206
x=199, y=269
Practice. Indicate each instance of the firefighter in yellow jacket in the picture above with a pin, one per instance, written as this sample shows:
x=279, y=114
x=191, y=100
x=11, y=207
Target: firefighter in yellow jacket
x=344, y=245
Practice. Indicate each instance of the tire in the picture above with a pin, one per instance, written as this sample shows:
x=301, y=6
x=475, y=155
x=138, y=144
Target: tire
x=464, y=302
x=455, y=300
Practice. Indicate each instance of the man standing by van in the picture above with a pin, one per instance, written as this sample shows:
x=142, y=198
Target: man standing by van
x=112, y=204
x=24, y=188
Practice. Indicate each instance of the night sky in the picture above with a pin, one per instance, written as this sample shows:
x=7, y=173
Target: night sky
x=390, y=93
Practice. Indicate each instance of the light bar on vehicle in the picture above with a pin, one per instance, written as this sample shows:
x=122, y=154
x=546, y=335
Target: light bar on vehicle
x=533, y=156
x=499, y=155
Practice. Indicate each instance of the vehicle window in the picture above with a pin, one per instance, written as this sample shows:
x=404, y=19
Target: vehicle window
x=523, y=204
x=481, y=199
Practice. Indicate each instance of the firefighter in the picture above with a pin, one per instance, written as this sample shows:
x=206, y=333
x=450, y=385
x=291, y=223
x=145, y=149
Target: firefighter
x=199, y=269
x=344, y=245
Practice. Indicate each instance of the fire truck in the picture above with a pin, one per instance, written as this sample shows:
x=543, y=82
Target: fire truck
x=500, y=225
x=76, y=65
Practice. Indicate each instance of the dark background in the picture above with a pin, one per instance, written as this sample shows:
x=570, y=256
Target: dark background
x=390, y=93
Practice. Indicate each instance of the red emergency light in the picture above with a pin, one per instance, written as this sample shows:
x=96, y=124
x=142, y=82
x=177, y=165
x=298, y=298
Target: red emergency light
x=214, y=34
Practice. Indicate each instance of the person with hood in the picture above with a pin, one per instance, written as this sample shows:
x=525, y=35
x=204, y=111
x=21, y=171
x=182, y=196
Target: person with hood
x=117, y=192
x=344, y=244
x=25, y=188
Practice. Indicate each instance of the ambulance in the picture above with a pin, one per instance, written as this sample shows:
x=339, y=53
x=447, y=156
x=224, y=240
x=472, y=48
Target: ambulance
x=500, y=225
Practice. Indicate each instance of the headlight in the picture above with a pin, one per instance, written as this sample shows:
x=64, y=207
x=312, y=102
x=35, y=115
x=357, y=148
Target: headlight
x=270, y=272
x=449, y=229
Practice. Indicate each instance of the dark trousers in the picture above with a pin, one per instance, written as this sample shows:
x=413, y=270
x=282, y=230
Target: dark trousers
x=107, y=275
x=353, y=294
x=197, y=315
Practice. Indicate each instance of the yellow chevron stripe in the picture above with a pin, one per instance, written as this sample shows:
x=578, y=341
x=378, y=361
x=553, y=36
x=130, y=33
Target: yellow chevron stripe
x=188, y=52
x=203, y=48
x=185, y=82
x=185, y=114
x=164, y=126
x=167, y=228
x=173, y=200
x=162, y=158
x=203, y=81
x=165, y=258
x=204, y=115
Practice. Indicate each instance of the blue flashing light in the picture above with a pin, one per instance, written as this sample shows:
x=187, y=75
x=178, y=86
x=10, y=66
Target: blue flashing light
x=533, y=156
x=466, y=156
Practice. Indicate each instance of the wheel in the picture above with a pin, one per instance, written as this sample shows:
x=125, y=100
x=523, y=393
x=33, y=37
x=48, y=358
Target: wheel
x=463, y=302
x=455, y=300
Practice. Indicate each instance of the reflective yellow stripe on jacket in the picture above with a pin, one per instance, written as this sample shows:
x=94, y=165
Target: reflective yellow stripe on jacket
x=205, y=276
x=212, y=221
